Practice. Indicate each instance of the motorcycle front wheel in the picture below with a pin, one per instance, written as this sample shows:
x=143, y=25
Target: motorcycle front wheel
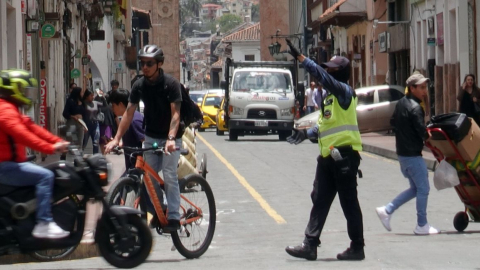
x=129, y=252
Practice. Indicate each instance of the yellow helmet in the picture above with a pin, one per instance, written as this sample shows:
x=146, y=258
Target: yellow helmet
x=18, y=86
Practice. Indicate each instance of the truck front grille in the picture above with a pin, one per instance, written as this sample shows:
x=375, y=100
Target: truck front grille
x=261, y=114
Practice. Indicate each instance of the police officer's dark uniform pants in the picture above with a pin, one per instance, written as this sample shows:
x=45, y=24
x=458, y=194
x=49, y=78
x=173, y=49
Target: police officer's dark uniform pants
x=330, y=179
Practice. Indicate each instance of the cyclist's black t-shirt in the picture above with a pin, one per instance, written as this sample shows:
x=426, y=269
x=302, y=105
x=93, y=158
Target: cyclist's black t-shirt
x=157, y=98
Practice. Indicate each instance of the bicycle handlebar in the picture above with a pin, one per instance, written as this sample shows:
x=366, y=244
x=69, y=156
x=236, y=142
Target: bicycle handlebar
x=154, y=149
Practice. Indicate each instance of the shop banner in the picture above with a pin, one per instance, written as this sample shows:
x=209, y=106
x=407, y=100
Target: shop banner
x=28, y=65
x=43, y=103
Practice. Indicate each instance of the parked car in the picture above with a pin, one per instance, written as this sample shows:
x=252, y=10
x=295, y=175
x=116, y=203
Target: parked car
x=210, y=105
x=375, y=107
x=221, y=125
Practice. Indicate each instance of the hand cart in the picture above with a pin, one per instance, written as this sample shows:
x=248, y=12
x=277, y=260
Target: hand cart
x=469, y=184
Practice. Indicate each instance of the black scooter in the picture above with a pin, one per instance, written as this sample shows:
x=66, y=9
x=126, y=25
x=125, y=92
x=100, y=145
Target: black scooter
x=123, y=238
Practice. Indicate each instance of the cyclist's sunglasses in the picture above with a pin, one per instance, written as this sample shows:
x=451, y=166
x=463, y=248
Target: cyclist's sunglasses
x=148, y=63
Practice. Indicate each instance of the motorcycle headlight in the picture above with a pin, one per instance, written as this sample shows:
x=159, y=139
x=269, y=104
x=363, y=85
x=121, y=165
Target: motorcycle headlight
x=304, y=124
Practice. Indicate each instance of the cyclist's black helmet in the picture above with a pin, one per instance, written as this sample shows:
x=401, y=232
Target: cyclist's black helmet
x=151, y=51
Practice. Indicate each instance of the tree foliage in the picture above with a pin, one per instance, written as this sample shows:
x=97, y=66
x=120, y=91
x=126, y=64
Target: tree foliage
x=228, y=22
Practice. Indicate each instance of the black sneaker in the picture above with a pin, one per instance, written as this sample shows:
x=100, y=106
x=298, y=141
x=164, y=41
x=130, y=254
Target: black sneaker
x=173, y=225
x=351, y=255
x=303, y=251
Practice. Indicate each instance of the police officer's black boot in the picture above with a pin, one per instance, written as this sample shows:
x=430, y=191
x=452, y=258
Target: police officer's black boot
x=304, y=251
x=352, y=254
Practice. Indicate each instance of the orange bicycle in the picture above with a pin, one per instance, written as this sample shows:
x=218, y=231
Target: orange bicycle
x=197, y=204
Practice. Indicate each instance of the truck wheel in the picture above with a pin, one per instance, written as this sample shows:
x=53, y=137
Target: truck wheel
x=232, y=135
x=283, y=134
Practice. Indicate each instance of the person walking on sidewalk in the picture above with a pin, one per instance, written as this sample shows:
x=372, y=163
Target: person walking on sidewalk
x=161, y=94
x=408, y=120
x=318, y=95
x=337, y=127
x=309, y=105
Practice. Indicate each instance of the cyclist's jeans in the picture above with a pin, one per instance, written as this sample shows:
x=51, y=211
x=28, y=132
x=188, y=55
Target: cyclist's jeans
x=168, y=165
x=29, y=174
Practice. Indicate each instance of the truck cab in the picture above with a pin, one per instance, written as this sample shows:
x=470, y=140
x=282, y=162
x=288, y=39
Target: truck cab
x=259, y=99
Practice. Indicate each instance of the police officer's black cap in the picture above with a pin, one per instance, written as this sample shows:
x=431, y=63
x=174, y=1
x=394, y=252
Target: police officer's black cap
x=336, y=62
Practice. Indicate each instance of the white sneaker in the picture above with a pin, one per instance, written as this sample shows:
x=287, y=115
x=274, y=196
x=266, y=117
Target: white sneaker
x=425, y=230
x=49, y=230
x=384, y=217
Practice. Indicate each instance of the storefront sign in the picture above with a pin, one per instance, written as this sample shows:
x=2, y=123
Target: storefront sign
x=43, y=103
x=75, y=73
x=23, y=6
x=48, y=31
x=431, y=41
x=119, y=66
x=28, y=65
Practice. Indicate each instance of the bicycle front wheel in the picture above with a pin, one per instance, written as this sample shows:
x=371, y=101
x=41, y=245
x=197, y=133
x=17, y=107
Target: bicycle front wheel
x=194, y=237
x=125, y=191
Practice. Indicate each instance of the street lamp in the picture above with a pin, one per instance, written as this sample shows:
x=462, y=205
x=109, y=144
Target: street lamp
x=274, y=48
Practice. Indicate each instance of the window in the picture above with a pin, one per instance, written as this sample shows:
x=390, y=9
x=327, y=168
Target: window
x=249, y=57
x=384, y=95
x=395, y=94
x=365, y=98
x=211, y=101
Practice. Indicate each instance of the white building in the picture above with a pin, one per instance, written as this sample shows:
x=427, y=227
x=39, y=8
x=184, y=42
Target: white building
x=443, y=44
x=11, y=34
x=245, y=43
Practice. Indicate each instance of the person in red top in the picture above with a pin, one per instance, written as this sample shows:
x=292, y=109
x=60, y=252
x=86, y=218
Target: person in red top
x=18, y=131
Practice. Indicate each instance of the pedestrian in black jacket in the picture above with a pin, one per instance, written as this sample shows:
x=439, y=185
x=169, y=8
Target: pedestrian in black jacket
x=408, y=120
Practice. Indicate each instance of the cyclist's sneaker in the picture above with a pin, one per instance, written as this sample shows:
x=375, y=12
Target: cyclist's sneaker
x=49, y=230
x=351, y=255
x=425, y=230
x=173, y=225
x=304, y=251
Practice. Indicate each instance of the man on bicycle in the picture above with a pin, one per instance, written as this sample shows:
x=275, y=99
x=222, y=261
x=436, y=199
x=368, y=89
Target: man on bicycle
x=18, y=131
x=162, y=97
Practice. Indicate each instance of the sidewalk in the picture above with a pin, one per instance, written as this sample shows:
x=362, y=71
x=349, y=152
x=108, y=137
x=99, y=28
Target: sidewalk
x=383, y=144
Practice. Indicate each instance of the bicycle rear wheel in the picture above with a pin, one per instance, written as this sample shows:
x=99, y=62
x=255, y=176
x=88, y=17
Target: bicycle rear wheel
x=194, y=238
x=125, y=191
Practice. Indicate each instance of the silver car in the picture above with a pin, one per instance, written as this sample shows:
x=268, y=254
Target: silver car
x=374, y=109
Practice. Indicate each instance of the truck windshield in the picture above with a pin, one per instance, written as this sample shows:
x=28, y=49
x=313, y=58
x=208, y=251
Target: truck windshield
x=268, y=82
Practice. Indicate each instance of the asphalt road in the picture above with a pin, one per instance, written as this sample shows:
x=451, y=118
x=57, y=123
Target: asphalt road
x=262, y=190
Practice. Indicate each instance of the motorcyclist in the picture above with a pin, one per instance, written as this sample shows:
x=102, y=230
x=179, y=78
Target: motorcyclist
x=18, y=131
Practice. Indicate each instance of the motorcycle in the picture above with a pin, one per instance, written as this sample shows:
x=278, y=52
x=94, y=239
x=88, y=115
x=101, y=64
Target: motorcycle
x=123, y=238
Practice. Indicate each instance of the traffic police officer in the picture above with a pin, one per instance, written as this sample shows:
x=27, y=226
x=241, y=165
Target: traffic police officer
x=336, y=128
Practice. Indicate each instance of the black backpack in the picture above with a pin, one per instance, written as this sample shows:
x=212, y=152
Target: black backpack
x=189, y=112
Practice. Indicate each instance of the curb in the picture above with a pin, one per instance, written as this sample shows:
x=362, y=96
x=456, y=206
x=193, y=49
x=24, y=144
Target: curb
x=81, y=252
x=391, y=154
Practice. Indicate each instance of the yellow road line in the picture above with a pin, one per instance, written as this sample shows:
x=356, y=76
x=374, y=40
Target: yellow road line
x=263, y=203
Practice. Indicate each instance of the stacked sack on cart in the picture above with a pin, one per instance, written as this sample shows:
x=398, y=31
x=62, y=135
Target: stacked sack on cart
x=465, y=134
x=188, y=164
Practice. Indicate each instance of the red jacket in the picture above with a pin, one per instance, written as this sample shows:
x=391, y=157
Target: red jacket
x=18, y=131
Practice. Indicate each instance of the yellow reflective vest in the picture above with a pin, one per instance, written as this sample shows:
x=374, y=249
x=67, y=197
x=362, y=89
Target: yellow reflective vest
x=338, y=127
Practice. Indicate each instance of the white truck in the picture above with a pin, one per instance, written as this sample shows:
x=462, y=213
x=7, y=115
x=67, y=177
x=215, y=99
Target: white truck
x=259, y=98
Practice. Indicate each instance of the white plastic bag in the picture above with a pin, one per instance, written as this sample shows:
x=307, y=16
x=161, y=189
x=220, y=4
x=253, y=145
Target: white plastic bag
x=445, y=176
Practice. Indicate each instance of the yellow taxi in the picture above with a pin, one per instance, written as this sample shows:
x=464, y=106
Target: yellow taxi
x=210, y=105
x=221, y=125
